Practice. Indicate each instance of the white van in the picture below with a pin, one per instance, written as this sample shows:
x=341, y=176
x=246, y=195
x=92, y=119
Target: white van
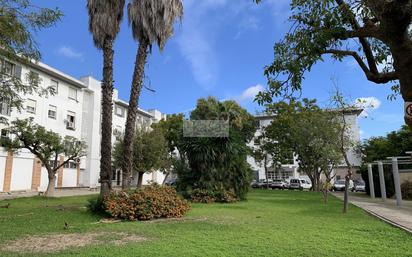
x=300, y=184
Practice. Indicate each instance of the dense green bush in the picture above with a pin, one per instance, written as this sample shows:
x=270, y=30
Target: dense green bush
x=206, y=196
x=151, y=202
x=406, y=189
x=389, y=184
x=202, y=196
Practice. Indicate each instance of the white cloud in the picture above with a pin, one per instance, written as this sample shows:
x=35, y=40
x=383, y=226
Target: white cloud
x=201, y=27
x=70, y=53
x=196, y=41
x=249, y=93
x=369, y=104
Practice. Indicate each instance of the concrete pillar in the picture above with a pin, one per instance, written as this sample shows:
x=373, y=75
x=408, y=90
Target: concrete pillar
x=78, y=174
x=395, y=173
x=382, y=181
x=60, y=172
x=8, y=172
x=371, y=186
x=36, y=174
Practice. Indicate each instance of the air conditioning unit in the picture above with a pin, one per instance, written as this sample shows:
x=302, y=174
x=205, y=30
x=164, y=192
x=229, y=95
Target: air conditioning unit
x=70, y=125
x=117, y=132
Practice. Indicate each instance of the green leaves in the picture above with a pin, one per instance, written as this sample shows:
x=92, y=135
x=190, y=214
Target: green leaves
x=44, y=144
x=329, y=27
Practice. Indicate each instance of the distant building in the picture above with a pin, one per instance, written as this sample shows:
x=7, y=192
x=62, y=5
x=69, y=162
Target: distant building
x=75, y=110
x=290, y=170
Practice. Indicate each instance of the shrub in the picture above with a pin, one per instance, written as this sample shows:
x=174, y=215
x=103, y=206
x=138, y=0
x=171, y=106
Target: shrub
x=226, y=197
x=202, y=196
x=406, y=189
x=95, y=205
x=151, y=202
x=387, y=174
x=206, y=196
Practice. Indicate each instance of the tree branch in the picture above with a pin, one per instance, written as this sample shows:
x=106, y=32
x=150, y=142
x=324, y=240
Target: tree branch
x=379, y=78
x=372, y=29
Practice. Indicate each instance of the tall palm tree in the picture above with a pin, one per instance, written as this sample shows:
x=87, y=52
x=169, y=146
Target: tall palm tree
x=105, y=17
x=152, y=22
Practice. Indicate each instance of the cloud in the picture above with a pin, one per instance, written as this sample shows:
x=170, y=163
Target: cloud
x=196, y=41
x=249, y=93
x=369, y=104
x=70, y=53
x=202, y=27
x=248, y=23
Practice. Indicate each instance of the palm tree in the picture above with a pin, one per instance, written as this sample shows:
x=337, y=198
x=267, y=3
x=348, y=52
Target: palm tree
x=152, y=22
x=105, y=17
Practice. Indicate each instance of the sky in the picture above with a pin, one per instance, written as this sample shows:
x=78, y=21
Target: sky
x=220, y=49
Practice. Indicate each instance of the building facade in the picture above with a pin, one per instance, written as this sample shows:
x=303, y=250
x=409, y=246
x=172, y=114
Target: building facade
x=74, y=110
x=291, y=170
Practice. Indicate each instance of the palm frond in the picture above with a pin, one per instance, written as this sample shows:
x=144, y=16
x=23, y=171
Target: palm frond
x=153, y=21
x=105, y=17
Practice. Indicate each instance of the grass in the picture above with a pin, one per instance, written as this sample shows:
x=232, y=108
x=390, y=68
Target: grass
x=270, y=223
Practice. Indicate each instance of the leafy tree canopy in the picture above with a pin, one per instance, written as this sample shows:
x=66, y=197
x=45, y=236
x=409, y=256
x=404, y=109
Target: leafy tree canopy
x=19, y=21
x=374, y=33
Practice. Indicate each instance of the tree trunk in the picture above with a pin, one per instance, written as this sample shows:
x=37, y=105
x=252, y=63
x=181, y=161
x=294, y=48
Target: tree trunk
x=266, y=172
x=51, y=186
x=107, y=110
x=402, y=56
x=140, y=180
x=166, y=176
x=346, y=194
x=132, y=112
x=325, y=195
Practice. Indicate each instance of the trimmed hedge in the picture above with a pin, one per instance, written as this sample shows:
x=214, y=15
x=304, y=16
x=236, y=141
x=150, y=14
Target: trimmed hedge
x=406, y=189
x=147, y=203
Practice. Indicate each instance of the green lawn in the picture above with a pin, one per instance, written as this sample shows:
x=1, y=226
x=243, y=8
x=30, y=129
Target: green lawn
x=270, y=223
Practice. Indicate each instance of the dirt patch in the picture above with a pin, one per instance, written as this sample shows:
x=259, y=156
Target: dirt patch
x=59, y=242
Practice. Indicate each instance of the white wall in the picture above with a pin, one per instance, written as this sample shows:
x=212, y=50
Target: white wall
x=69, y=178
x=22, y=172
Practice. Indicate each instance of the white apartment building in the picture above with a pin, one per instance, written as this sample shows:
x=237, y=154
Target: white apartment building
x=290, y=170
x=75, y=110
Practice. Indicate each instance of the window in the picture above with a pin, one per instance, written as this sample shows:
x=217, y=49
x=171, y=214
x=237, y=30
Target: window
x=5, y=107
x=54, y=85
x=7, y=68
x=31, y=106
x=71, y=121
x=119, y=111
x=4, y=136
x=72, y=93
x=70, y=165
x=52, y=112
x=10, y=69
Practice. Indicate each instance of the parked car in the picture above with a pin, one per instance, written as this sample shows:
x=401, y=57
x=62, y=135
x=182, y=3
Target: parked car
x=279, y=184
x=299, y=184
x=359, y=186
x=255, y=184
x=266, y=184
x=306, y=184
x=171, y=182
x=339, y=185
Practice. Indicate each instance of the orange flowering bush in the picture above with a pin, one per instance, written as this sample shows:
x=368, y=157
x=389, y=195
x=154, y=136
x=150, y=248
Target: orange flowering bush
x=151, y=202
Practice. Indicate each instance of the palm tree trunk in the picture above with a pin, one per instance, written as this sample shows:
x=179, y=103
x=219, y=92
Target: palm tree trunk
x=132, y=112
x=107, y=110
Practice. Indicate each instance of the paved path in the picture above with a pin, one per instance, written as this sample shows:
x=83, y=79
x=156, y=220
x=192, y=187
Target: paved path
x=58, y=193
x=387, y=211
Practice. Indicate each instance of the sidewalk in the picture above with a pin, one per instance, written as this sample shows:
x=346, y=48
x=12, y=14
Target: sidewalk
x=58, y=193
x=400, y=217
